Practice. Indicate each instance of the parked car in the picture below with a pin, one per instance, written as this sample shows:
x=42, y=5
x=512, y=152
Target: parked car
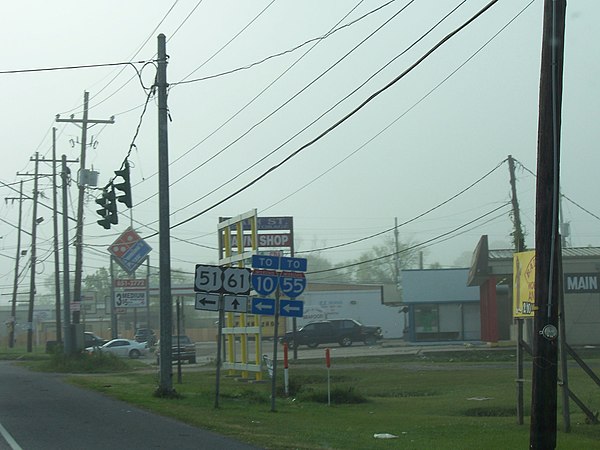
x=122, y=347
x=342, y=331
x=91, y=340
x=145, y=335
x=182, y=348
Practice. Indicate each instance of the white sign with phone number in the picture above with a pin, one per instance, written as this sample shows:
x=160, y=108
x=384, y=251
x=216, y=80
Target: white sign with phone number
x=130, y=299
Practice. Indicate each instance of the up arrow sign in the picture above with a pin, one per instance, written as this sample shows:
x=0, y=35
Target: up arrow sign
x=235, y=303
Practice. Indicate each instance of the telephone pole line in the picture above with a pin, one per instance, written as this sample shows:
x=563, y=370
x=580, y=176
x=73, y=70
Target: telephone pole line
x=84, y=123
x=13, y=310
x=547, y=236
x=165, y=387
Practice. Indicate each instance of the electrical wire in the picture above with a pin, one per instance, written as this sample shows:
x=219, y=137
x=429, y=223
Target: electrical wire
x=344, y=118
x=241, y=110
x=284, y=52
x=439, y=205
x=414, y=105
x=379, y=258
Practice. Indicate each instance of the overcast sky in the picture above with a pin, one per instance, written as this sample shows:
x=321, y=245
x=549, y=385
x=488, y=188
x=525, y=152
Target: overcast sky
x=439, y=129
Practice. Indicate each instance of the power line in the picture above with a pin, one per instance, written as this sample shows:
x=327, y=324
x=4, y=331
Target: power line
x=75, y=67
x=282, y=53
x=439, y=205
x=344, y=118
x=415, y=246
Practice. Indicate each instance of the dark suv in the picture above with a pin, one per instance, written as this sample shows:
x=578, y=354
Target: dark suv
x=182, y=348
x=341, y=331
x=145, y=335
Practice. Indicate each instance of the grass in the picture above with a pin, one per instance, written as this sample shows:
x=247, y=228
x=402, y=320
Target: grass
x=459, y=400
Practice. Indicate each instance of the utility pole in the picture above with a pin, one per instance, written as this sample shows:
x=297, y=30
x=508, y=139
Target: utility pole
x=547, y=236
x=34, y=223
x=519, y=246
x=84, y=122
x=55, y=226
x=398, y=264
x=165, y=387
x=13, y=313
x=65, y=173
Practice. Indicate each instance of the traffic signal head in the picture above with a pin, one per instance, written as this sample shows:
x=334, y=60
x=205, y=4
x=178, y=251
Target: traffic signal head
x=125, y=186
x=108, y=209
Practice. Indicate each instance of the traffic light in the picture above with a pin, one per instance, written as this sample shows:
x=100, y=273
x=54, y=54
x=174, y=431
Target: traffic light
x=108, y=209
x=125, y=186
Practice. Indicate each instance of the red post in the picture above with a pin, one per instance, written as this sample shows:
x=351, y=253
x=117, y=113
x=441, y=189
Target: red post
x=286, y=376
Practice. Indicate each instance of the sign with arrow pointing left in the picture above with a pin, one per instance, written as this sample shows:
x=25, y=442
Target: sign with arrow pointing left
x=264, y=306
x=208, y=302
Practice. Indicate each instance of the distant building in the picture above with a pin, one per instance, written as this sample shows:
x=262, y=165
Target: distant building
x=440, y=305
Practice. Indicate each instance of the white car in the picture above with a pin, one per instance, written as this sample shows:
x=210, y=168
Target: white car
x=122, y=347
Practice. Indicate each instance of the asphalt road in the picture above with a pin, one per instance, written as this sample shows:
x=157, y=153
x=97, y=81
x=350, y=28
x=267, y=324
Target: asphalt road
x=41, y=411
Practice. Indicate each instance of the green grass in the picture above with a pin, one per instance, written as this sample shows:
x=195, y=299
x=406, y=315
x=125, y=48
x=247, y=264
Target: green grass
x=459, y=400
x=423, y=401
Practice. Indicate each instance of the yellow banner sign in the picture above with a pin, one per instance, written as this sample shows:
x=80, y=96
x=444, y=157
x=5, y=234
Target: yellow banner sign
x=524, y=284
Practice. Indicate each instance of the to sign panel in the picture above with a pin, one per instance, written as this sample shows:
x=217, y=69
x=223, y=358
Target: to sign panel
x=295, y=264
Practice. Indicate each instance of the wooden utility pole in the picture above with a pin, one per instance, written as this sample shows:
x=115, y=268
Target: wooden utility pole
x=519, y=246
x=68, y=339
x=13, y=313
x=165, y=387
x=56, y=254
x=547, y=236
x=32, y=288
x=84, y=122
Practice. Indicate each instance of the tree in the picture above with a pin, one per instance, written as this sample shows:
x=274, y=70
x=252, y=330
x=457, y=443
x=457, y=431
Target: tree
x=378, y=265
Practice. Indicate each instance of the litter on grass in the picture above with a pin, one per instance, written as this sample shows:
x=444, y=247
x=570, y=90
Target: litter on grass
x=384, y=436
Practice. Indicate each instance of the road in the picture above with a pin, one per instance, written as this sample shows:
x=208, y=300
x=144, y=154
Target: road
x=41, y=411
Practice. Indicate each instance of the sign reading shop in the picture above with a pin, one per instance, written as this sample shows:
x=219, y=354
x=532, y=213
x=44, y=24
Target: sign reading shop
x=581, y=283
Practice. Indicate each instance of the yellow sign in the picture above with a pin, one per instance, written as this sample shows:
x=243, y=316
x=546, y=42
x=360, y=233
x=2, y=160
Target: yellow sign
x=524, y=284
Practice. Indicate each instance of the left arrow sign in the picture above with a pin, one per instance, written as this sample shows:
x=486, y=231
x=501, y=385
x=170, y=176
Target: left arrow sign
x=209, y=302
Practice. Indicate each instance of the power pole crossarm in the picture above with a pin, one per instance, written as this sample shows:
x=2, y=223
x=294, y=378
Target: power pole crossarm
x=85, y=122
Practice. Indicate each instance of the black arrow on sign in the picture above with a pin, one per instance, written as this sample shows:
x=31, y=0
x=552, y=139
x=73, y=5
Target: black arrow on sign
x=205, y=301
x=235, y=303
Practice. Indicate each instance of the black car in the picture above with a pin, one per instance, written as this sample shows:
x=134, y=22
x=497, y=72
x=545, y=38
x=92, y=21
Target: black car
x=91, y=340
x=342, y=331
x=145, y=335
x=182, y=349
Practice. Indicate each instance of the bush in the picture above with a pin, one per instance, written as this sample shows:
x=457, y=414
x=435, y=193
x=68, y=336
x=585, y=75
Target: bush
x=84, y=362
